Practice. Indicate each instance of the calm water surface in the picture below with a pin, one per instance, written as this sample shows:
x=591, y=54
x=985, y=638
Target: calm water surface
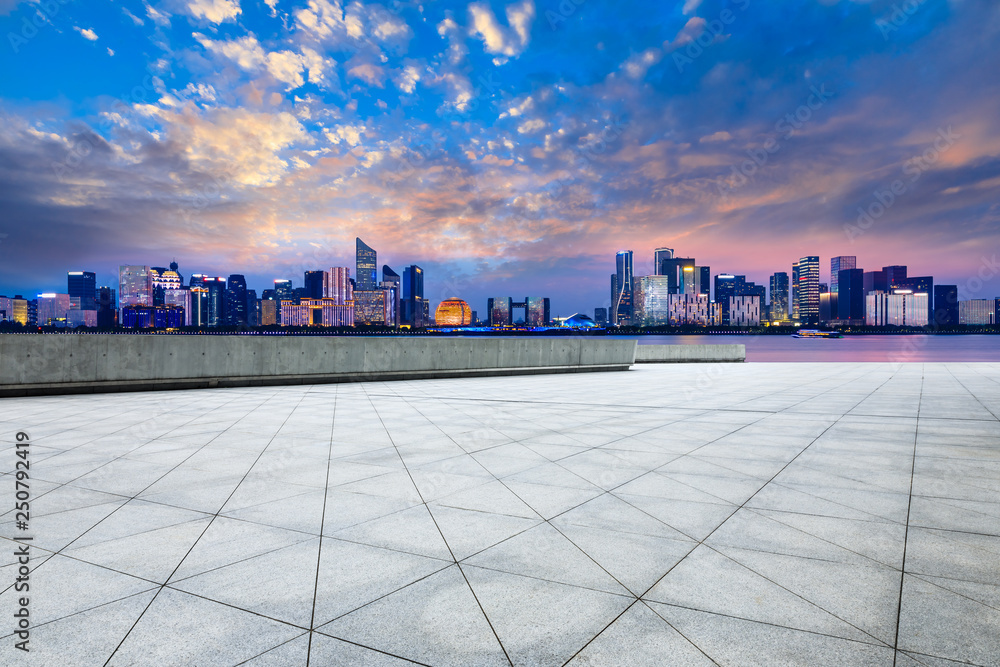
x=851, y=348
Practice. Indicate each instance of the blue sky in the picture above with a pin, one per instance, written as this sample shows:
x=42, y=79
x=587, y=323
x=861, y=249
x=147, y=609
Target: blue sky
x=509, y=148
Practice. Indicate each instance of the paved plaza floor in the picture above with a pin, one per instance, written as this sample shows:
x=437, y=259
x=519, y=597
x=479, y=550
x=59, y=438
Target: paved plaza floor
x=743, y=514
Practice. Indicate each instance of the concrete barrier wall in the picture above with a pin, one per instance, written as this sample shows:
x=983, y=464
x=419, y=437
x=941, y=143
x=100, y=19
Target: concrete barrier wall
x=67, y=363
x=665, y=354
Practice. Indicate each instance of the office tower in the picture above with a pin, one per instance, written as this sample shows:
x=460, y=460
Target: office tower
x=601, y=316
x=180, y=298
x=283, y=291
x=974, y=312
x=622, y=301
x=779, y=297
x=901, y=309
x=500, y=310
x=235, y=308
x=651, y=301
x=393, y=282
x=805, y=289
x=135, y=286
x=726, y=287
x=675, y=268
x=838, y=264
x=215, y=305
x=690, y=310
x=916, y=284
x=613, y=310
x=51, y=309
x=315, y=284
x=828, y=305
x=337, y=285
x=894, y=274
x=367, y=267
x=851, y=295
x=744, y=310
x=945, y=305
x=875, y=281
x=322, y=312
x=392, y=300
x=659, y=255
x=536, y=311
x=82, y=289
x=453, y=313
x=703, y=276
x=253, y=309
x=371, y=307
x=107, y=309
x=268, y=310
x=413, y=297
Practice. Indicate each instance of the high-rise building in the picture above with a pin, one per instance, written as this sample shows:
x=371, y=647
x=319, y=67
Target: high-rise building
x=164, y=279
x=779, y=297
x=500, y=310
x=727, y=286
x=838, y=264
x=371, y=307
x=82, y=289
x=236, y=301
x=651, y=301
x=412, y=301
x=677, y=269
x=316, y=313
x=601, y=316
x=536, y=311
x=337, y=285
x=314, y=282
x=283, y=291
x=180, y=298
x=52, y=309
x=894, y=274
x=214, y=314
x=744, y=310
x=253, y=309
x=703, y=275
x=901, y=309
x=268, y=310
x=621, y=303
x=392, y=282
x=851, y=294
x=367, y=267
x=691, y=310
x=659, y=255
x=974, y=312
x=828, y=304
x=805, y=289
x=946, y=305
x=875, y=281
x=135, y=286
x=107, y=308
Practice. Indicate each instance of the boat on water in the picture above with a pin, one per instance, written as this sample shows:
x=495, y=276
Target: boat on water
x=816, y=333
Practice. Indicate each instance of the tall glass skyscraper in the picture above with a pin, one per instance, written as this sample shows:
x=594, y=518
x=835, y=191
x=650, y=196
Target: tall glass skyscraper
x=367, y=267
x=659, y=255
x=82, y=289
x=236, y=301
x=621, y=304
x=805, y=290
x=779, y=297
x=337, y=285
x=838, y=264
x=413, y=296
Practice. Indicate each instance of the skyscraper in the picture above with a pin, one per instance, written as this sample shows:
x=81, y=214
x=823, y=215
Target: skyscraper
x=135, y=286
x=337, y=285
x=82, y=289
x=805, y=289
x=838, y=264
x=726, y=287
x=500, y=311
x=314, y=284
x=622, y=302
x=214, y=315
x=945, y=305
x=676, y=269
x=850, y=294
x=659, y=255
x=367, y=267
x=107, y=309
x=779, y=297
x=236, y=301
x=413, y=297
x=392, y=282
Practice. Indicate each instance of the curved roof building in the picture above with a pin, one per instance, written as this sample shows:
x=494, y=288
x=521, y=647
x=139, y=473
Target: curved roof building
x=579, y=321
x=453, y=313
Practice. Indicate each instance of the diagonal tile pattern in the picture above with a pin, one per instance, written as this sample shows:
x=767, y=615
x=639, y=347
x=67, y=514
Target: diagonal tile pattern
x=755, y=514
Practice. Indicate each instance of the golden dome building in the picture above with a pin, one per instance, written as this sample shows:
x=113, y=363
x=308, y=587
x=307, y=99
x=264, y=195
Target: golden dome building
x=453, y=313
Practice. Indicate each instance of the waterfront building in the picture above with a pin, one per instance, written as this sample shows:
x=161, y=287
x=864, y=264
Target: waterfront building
x=850, y=295
x=536, y=311
x=691, y=310
x=453, y=313
x=977, y=312
x=778, y=311
x=500, y=310
x=744, y=311
x=651, y=302
x=946, y=305
x=621, y=298
x=901, y=309
x=214, y=313
x=805, y=290
x=366, y=260
x=413, y=305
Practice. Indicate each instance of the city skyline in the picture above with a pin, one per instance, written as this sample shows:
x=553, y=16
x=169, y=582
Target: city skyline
x=497, y=144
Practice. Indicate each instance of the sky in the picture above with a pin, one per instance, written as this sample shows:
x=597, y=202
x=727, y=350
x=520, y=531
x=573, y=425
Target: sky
x=508, y=148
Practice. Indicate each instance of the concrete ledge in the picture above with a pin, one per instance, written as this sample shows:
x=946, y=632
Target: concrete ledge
x=668, y=354
x=34, y=365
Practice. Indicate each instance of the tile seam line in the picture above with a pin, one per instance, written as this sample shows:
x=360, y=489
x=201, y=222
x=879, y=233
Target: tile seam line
x=440, y=532
x=213, y=517
x=909, y=508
